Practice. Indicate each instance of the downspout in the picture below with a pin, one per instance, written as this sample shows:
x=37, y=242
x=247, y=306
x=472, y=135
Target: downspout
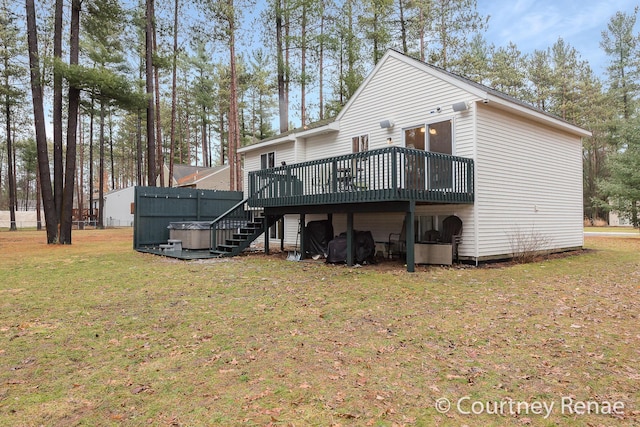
x=475, y=183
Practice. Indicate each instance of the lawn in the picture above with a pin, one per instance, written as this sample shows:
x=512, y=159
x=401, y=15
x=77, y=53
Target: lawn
x=98, y=334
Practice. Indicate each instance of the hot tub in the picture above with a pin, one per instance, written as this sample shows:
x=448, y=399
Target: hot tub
x=195, y=235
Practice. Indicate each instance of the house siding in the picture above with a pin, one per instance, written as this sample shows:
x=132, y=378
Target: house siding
x=384, y=223
x=529, y=180
x=387, y=97
x=117, y=207
x=409, y=101
x=285, y=152
x=528, y=174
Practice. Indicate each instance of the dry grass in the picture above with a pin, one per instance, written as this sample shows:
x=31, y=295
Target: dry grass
x=97, y=334
x=598, y=222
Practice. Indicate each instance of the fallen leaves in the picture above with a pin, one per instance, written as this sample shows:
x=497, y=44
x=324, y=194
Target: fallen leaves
x=372, y=347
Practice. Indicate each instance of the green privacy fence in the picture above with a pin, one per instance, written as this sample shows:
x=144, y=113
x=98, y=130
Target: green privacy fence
x=156, y=207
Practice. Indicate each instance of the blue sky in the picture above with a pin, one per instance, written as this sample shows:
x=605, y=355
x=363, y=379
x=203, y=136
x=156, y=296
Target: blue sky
x=537, y=24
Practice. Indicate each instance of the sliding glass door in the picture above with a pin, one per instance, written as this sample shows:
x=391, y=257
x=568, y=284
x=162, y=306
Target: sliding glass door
x=436, y=174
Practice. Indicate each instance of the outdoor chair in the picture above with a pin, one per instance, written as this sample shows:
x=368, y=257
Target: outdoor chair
x=452, y=233
x=397, y=244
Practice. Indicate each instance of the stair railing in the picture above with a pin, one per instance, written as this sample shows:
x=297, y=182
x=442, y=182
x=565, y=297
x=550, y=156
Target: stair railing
x=229, y=223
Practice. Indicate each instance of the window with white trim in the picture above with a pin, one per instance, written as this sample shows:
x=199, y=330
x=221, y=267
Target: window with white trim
x=268, y=160
x=360, y=144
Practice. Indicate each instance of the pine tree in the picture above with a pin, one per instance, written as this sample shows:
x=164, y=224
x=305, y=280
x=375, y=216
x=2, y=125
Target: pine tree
x=623, y=184
x=10, y=93
x=174, y=91
x=621, y=181
x=540, y=74
x=225, y=13
x=204, y=94
x=39, y=124
x=376, y=26
x=475, y=60
x=66, y=209
x=567, y=67
x=262, y=102
x=452, y=23
x=151, y=142
x=621, y=46
x=508, y=70
x=108, y=79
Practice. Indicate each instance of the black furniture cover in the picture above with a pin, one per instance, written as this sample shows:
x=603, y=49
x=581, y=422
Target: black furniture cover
x=364, y=248
x=317, y=236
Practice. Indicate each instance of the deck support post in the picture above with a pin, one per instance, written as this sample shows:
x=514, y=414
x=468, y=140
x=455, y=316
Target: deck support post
x=410, y=237
x=301, y=225
x=281, y=231
x=265, y=227
x=350, y=239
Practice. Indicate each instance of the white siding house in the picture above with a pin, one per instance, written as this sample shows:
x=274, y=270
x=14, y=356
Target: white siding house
x=118, y=210
x=526, y=173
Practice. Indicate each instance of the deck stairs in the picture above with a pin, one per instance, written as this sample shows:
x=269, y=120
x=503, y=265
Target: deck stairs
x=235, y=230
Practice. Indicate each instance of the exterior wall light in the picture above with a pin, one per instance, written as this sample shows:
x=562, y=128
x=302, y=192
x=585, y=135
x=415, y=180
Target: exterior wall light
x=460, y=106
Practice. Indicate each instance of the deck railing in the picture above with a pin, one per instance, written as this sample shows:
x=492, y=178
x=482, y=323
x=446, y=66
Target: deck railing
x=227, y=225
x=387, y=174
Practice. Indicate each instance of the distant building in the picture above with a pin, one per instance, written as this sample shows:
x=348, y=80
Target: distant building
x=617, y=220
x=118, y=208
x=215, y=178
x=118, y=204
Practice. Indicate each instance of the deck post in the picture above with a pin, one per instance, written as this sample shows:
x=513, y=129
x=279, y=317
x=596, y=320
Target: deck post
x=394, y=171
x=281, y=232
x=265, y=227
x=410, y=237
x=302, y=227
x=350, y=239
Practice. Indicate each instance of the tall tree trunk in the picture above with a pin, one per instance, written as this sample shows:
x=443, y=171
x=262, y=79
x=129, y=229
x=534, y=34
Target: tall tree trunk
x=222, y=142
x=234, y=134
x=139, y=161
x=139, y=149
x=444, y=37
x=66, y=216
x=203, y=138
x=92, y=216
x=100, y=224
x=111, y=159
x=57, y=111
x=187, y=136
x=159, y=147
x=80, y=179
x=151, y=143
x=321, y=66
x=422, y=34
x=50, y=213
x=283, y=108
x=10, y=163
x=196, y=144
x=403, y=27
x=209, y=145
x=38, y=202
x=15, y=177
x=174, y=84
x=303, y=65
x=287, y=50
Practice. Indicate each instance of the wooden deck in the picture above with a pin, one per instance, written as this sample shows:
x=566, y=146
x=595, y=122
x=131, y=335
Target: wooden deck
x=386, y=175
